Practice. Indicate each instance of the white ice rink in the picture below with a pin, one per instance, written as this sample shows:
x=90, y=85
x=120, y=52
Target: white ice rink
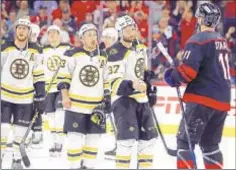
x=40, y=158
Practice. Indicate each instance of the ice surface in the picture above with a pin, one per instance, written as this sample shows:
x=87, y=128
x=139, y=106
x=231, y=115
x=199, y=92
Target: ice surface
x=40, y=158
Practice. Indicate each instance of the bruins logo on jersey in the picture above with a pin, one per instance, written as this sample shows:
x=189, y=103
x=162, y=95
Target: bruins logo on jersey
x=139, y=68
x=54, y=62
x=89, y=76
x=19, y=68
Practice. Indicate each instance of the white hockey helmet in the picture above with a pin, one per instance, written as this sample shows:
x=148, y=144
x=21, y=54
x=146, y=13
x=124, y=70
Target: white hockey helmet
x=35, y=30
x=86, y=27
x=110, y=32
x=23, y=21
x=54, y=27
x=123, y=22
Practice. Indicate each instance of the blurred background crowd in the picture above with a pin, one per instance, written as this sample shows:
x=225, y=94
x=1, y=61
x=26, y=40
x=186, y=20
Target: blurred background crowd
x=170, y=21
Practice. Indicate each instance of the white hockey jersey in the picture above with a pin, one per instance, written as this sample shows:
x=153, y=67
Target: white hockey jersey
x=20, y=70
x=52, y=60
x=126, y=64
x=84, y=72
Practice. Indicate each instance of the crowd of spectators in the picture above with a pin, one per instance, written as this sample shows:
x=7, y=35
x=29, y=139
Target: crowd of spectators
x=171, y=22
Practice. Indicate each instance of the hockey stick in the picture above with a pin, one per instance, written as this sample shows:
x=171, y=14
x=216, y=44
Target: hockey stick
x=170, y=60
x=171, y=152
x=22, y=146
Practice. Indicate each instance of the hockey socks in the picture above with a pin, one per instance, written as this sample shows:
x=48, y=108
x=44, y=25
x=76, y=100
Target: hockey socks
x=184, y=159
x=212, y=157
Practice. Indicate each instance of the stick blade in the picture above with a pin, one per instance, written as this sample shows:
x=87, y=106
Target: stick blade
x=172, y=152
x=24, y=155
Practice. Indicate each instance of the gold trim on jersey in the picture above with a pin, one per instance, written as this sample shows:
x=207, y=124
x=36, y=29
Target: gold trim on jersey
x=32, y=50
x=141, y=46
x=79, y=54
x=85, y=102
x=8, y=49
x=115, y=86
x=16, y=89
x=86, y=98
x=127, y=54
x=16, y=96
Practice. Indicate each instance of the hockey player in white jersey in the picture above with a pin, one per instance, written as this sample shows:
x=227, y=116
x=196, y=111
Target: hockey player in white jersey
x=82, y=87
x=109, y=36
x=126, y=64
x=54, y=109
x=22, y=86
x=37, y=135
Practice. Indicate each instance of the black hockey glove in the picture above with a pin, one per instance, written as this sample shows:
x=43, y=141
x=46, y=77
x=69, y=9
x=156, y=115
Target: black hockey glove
x=152, y=96
x=98, y=116
x=39, y=104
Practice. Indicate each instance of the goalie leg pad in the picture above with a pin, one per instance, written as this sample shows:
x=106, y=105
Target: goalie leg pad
x=123, y=153
x=184, y=156
x=145, y=153
x=75, y=149
x=90, y=149
x=212, y=157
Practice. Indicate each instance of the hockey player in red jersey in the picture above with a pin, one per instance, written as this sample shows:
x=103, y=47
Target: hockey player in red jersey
x=205, y=69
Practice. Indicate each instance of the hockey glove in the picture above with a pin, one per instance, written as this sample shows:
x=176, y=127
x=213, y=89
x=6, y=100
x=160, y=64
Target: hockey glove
x=98, y=116
x=152, y=96
x=169, y=80
x=39, y=104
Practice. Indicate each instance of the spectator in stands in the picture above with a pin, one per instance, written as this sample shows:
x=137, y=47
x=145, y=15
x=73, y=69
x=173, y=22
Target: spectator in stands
x=110, y=21
x=229, y=15
x=10, y=24
x=88, y=19
x=232, y=46
x=79, y=9
x=142, y=25
x=51, y=5
x=43, y=16
x=156, y=6
x=3, y=33
x=57, y=13
x=187, y=26
x=68, y=21
x=111, y=8
x=24, y=10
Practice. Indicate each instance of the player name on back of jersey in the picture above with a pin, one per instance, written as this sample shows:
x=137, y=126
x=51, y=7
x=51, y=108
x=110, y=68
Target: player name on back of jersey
x=221, y=45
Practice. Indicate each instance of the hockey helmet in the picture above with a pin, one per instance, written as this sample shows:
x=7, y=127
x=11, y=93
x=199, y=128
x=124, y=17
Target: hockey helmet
x=23, y=21
x=123, y=22
x=110, y=32
x=54, y=27
x=86, y=27
x=35, y=29
x=210, y=14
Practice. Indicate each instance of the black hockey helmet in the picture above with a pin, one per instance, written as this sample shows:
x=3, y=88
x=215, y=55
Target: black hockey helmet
x=210, y=13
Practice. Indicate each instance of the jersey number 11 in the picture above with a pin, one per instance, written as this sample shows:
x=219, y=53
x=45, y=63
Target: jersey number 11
x=224, y=61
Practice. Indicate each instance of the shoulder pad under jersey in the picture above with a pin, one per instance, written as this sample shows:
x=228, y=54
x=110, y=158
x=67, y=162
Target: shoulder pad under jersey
x=116, y=52
x=35, y=47
x=6, y=45
x=70, y=52
x=203, y=37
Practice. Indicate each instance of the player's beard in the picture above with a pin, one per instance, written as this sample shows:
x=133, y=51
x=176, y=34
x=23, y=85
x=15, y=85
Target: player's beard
x=128, y=39
x=21, y=39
